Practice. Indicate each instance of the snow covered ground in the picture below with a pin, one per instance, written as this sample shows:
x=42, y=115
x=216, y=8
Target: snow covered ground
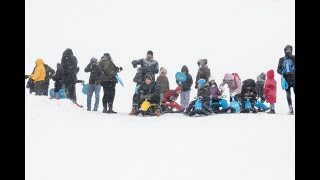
x=64, y=142
x=67, y=142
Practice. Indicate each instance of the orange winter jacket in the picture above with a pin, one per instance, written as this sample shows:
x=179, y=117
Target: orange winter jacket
x=39, y=72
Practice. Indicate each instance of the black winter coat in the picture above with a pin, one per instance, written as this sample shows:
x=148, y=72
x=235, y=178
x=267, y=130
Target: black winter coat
x=186, y=86
x=95, y=73
x=70, y=67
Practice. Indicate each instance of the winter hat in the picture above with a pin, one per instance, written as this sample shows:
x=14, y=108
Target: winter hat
x=150, y=52
x=94, y=60
x=261, y=77
x=147, y=76
x=179, y=88
x=211, y=78
x=228, y=77
x=163, y=71
x=288, y=47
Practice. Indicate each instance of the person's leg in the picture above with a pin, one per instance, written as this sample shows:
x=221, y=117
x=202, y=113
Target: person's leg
x=89, y=96
x=97, y=88
x=110, y=96
x=104, y=98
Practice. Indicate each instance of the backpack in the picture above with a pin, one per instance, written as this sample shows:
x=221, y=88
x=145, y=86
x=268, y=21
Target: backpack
x=288, y=66
x=236, y=75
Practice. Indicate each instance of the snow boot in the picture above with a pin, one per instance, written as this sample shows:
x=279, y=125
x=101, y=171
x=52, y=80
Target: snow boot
x=110, y=109
x=272, y=111
x=157, y=112
x=133, y=111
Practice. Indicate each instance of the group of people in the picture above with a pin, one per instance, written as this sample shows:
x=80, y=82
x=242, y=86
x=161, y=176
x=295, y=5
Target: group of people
x=157, y=91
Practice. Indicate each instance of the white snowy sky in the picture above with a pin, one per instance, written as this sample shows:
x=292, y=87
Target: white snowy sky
x=247, y=36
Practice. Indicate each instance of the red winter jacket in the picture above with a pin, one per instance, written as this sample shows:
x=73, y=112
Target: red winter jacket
x=170, y=93
x=270, y=87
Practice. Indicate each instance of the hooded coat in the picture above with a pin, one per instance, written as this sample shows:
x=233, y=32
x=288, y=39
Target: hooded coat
x=270, y=88
x=39, y=71
x=186, y=86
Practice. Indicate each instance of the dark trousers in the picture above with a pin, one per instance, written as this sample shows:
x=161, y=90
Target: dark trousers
x=290, y=78
x=109, y=91
x=71, y=91
x=38, y=87
x=46, y=88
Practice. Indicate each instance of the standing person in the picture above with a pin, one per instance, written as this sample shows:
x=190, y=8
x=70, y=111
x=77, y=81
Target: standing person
x=38, y=77
x=70, y=68
x=148, y=65
x=270, y=91
x=94, y=83
x=30, y=83
x=261, y=79
x=108, y=81
x=58, y=84
x=203, y=71
x=49, y=74
x=186, y=87
x=163, y=82
x=286, y=67
x=234, y=85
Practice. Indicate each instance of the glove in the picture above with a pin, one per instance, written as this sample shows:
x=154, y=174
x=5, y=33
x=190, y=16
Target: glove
x=172, y=98
x=143, y=97
x=200, y=97
x=135, y=64
x=120, y=69
x=196, y=87
x=26, y=76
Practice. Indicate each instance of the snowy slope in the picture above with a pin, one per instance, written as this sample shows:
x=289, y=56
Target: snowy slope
x=67, y=142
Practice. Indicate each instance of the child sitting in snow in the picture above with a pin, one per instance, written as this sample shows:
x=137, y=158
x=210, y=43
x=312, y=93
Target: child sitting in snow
x=168, y=102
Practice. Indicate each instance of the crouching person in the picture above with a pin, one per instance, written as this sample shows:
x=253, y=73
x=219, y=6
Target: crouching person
x=248, y=92
x=204, y=95
x=169, y=100
x=149, y=91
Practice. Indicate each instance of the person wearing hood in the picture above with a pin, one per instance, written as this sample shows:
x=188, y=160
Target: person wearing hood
x=148, y=65
x=203, y=71
x=261, y=79
x=38, y=76
x=215, y=92
x=70, y=68
x=58, y=84
x=249, y=90
x=270, y=91
x=234, y=85
x=186, y=87
x=108, y=77
x=286, y=67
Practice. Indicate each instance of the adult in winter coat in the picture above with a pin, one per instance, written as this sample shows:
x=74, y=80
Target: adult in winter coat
x=163, y=82
x=286, y=66
x=49, y=74
x=70, y=68
x=261, y=79
x=270, y=91
x=58, y=84
x=94, y=83
x=170, y=98
x=38, y=77
x=186, y=87
x=108, y=81
x=147, y=66
x=203, y=71
x=234, y=85
x=149, y=90
x=249, y=90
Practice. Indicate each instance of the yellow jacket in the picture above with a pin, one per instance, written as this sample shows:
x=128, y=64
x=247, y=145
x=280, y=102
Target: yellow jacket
x=40, y=72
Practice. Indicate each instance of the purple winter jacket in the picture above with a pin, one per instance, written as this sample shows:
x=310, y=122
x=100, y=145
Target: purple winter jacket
x=214, y=91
